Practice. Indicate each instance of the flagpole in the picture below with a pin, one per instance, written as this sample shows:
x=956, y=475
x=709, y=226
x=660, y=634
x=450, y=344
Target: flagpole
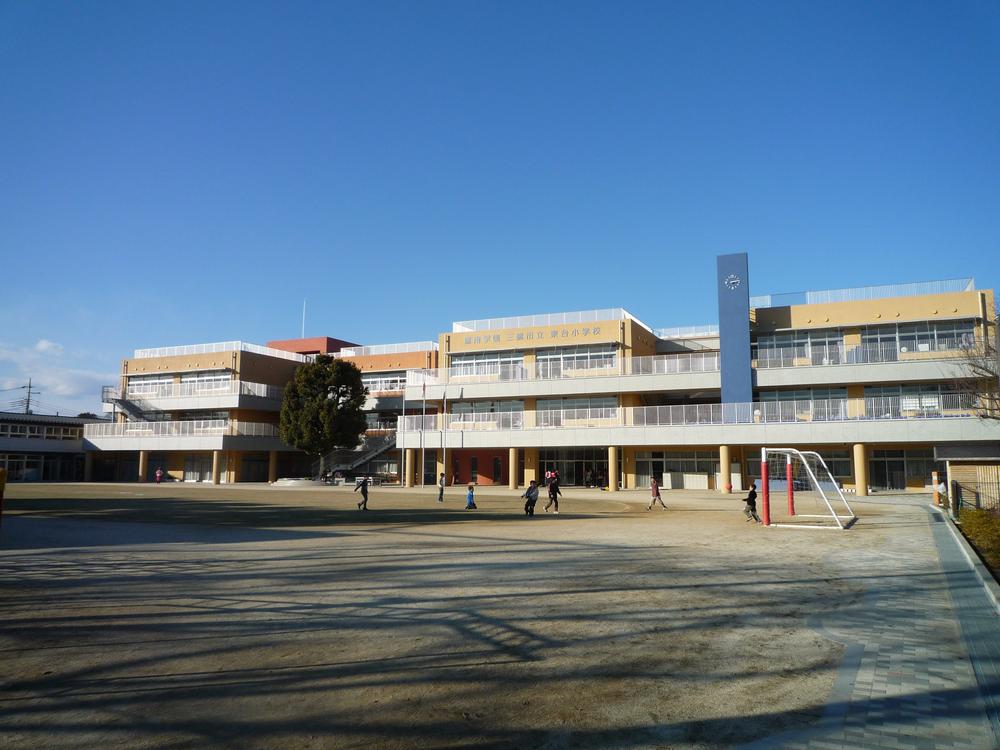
x=402, y=451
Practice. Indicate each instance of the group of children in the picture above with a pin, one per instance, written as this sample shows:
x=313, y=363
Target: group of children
x=530, y=497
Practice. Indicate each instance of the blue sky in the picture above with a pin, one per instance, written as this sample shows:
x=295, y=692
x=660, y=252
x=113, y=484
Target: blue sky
x=189, y=172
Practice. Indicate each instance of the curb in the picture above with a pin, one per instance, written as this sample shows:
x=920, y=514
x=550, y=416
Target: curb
x=985, y=577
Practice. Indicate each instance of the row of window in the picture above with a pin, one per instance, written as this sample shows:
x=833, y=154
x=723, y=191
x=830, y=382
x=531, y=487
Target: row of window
x=912, y=337
x=8, y=430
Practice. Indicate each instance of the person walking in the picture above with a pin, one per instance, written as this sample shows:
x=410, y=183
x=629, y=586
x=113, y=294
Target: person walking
x=750, y=509
x=554, y=494
x=470, y=498
x=654, y=491
x=159, y=474
x=441, y=488
x=363, y=505
x=531, y=497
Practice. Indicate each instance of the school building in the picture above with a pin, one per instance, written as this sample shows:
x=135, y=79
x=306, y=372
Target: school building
x=871, y=377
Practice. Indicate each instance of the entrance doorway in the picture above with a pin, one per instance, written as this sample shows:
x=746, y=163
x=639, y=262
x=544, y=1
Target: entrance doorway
x=888, y=470
x=197, y=468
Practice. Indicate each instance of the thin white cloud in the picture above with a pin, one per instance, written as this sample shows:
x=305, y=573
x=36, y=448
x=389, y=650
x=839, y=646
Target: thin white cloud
x=48, y=347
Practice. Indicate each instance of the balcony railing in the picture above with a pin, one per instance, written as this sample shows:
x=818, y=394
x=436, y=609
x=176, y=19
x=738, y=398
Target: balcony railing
x=870, y=408
x=185, y=390
x=660, y=364
x=191, y=428
x=812, y=355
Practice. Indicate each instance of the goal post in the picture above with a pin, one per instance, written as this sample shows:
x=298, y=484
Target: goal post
x=832, y=509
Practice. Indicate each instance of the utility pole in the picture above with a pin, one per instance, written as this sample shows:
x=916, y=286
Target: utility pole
x=27, y=402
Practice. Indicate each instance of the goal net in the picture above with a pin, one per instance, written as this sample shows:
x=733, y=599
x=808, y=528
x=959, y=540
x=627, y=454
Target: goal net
x=798, y=490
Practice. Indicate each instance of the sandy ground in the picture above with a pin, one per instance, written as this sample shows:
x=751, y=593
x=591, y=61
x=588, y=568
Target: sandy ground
x=185, y=616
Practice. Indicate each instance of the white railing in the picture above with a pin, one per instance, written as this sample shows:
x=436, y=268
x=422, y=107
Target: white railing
x=864, y=293
x=687, y=332
x=204, y=388
x=838, y=354
x=535, y=321
x=412, y=346
x=871, y=408
x=669, y=364
x=191, y=428
x=659, y=364
x=385, y=385
x=221, y=346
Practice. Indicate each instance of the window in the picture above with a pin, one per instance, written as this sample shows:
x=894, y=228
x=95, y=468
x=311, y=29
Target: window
x=474, y=469
x=555, y=362
x=207, y=381
x=377, y=382
x=149, y=385
x=505, y=365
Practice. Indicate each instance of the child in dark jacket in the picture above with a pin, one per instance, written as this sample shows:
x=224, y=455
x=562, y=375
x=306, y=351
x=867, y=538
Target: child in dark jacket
x=530, y=498
x=750, y=509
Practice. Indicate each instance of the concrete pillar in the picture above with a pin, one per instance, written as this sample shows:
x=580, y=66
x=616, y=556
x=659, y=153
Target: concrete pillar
x=272, y=466
x=88, y=466
x=724, y=470
x=143, y=465
x=860, y=469
x=613, y=468
x=530, y=465
x=512, y=468
x=410, y=460
x=216, y=456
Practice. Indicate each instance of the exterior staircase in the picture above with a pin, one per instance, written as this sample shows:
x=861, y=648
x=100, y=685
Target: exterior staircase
x=373, y=445
x=134, y=408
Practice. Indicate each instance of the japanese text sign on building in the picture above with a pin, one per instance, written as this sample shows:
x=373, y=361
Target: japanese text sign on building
x=535, y=337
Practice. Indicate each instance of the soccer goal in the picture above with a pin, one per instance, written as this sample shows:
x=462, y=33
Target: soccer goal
x=815, y=500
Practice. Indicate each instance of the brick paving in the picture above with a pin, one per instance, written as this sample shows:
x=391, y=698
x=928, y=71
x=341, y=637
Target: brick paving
x=922, y=665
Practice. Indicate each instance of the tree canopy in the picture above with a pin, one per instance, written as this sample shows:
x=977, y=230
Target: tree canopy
x=322, y=407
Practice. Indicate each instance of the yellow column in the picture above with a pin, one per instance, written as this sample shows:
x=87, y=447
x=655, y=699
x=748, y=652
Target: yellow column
x=215, y=466
x=628, y=468
x=88, y=466
x=512, y=468
x=143, y=465
x=724, y=470
x=272, y=466
x=860, y=469
x=613, y=468
x=409, y=466
x=529, y=415
x=530, y=465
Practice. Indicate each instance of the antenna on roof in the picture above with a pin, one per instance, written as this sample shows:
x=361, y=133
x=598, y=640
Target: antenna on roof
x=303, y=318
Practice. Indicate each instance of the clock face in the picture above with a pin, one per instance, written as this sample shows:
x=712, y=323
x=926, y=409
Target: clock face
x=732, y=281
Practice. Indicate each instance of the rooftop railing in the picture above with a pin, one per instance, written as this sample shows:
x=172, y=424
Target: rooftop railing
x=551, y=319
x=221, y=346
x=412, y=346
x=190, y=428
x=864, y=293
x=659, y=364
x=687, y=332
x=872, y=408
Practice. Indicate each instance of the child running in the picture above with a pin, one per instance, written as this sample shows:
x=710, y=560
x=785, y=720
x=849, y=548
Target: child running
x=654, y=491
x=470, y=499
x=554, y=494
x=750, y=509
x=363, y=505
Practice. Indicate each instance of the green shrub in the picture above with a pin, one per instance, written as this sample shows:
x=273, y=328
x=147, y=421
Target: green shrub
x=982, y=529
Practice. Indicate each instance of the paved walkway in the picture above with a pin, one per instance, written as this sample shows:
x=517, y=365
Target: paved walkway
x=922, y=666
